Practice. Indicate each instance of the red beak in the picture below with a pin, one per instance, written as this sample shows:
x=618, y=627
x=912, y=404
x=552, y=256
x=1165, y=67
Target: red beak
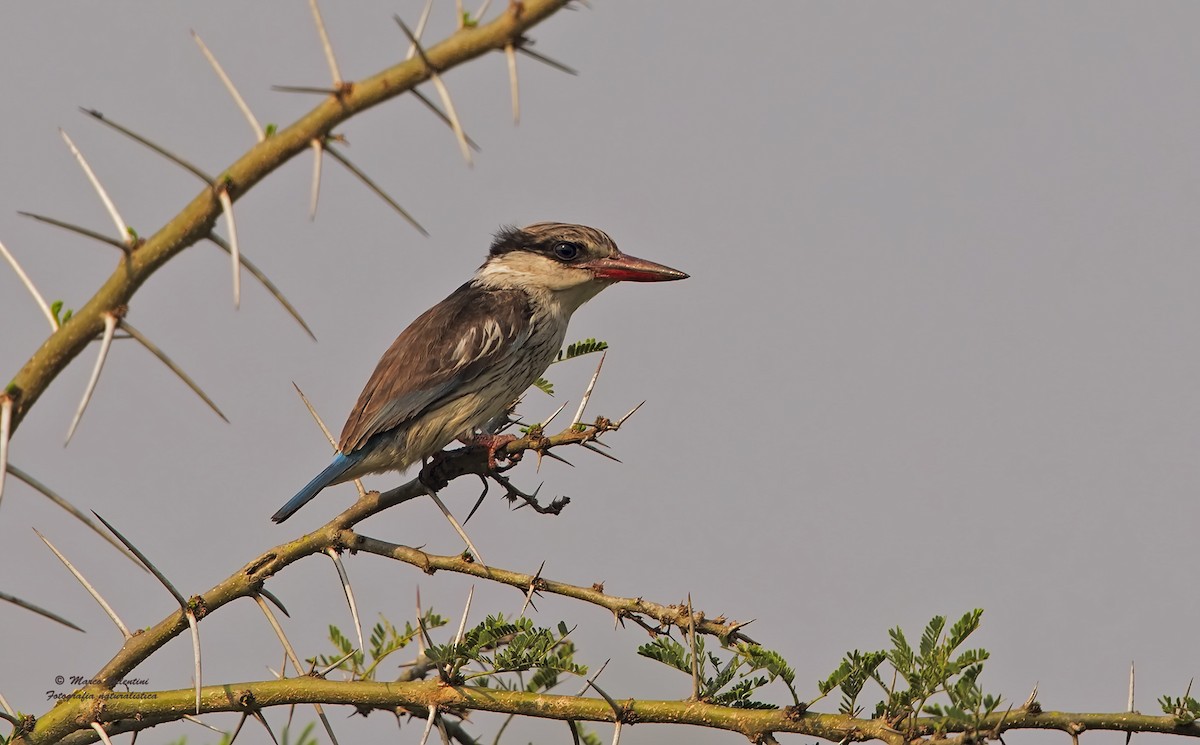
x=625, y=268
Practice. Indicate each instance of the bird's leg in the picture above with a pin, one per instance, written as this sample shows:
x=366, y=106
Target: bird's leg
x=489, y=441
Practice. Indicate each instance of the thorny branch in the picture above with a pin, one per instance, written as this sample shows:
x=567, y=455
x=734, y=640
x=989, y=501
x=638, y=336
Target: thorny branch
x=198, y=218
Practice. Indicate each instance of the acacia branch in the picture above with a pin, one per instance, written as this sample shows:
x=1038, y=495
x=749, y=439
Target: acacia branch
x=72, y=713
x=197, y=219
x=147, y=708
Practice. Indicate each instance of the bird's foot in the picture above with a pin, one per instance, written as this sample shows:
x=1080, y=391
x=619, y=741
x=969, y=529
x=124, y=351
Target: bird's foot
x=492, y=442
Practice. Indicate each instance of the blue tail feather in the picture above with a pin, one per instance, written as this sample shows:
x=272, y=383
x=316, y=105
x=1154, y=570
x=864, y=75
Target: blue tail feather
x=341, y=463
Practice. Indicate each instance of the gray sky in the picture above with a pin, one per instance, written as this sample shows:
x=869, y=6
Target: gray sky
x=934, y=353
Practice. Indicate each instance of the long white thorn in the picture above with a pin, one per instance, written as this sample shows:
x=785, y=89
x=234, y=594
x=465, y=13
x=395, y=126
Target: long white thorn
x=420, y=29
x=112, y=614
x=283, y=640
x=33, y=290
x=194, y=720
x=318, y=156
x=328, y=435
x=6, y=405
x=195, y=629
x=555, y=414
x=429, y=720
x=348, y=590
x=587, y=394
x=100, y=731
x=482, y=9
x=123, y=232
x=333, y=66
x=462, y=625
x=457, y=527
x=454, y=122
x=514, y=87
x=234, y=252
x=229, y=86
x=110, y=328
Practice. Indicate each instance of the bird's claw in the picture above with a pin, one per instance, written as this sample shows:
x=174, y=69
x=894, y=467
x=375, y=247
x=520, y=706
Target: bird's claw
x=493, y=443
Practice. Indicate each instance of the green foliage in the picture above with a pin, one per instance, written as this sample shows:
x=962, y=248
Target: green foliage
x=938, y=667
x=56, y=308
x=468, y=21
x=270, y=130
x=578, y=349
x=1186, y=710
x=717, y=677
x=500, y=646
x=385, y=639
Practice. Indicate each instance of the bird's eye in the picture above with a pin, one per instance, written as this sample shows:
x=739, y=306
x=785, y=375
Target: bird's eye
x=566, y=251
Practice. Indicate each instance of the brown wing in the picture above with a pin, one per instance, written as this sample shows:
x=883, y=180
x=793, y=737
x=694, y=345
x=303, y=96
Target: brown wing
x=435, y=356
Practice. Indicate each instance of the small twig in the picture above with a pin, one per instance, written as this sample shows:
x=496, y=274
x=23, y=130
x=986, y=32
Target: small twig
x=229, y=86
x=122, y=227
x=163, y=358
x=33, y=290
x=110, y=328
x=112, y=614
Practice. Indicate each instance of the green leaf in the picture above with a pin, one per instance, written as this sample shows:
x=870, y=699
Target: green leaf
x=964, y=628
x=545, y=386
x=669, y=652
x=933, y=632
x=580, y=348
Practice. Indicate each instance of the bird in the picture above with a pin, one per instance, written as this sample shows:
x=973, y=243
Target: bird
x=466, y=359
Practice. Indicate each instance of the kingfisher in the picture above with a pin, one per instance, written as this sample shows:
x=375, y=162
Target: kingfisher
x=466, y=359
